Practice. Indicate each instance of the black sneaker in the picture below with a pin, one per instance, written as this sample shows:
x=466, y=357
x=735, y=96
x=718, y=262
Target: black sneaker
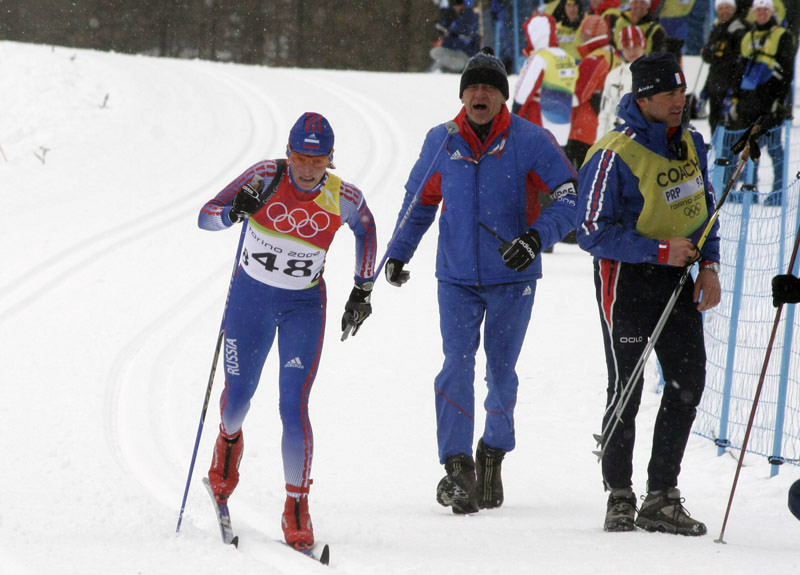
x=488, y=462
x=457, y=488
x=664, y=511
x=621, y=510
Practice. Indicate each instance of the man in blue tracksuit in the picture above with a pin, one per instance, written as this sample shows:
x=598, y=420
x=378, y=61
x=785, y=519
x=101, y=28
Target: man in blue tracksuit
x=487, y=178
x=644, y=203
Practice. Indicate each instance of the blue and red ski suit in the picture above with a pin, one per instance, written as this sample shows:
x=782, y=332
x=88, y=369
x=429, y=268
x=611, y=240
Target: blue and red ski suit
x=494, y=183
x=278, y=287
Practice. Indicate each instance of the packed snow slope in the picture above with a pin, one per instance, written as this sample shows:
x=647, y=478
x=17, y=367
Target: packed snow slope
x=111, y=300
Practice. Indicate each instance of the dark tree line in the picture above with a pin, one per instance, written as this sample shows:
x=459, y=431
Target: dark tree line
x=391, y=35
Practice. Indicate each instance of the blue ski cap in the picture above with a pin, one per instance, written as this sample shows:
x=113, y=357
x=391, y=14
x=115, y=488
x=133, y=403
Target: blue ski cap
x=794, y=499
x=311, y=135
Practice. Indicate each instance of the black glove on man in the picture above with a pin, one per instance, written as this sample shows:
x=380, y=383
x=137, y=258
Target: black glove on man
x=785, y=289
x=247, y=201
x=357, y=309
x=522, y=250
x=395, y=274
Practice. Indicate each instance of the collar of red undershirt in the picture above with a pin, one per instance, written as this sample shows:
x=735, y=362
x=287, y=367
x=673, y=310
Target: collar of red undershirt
x=671, y=132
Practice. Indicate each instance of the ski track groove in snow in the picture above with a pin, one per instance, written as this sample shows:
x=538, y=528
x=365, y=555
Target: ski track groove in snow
x=71, y=260
x=130, y=369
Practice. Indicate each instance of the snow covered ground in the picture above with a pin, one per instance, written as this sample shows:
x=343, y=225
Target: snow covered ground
x=110, y=302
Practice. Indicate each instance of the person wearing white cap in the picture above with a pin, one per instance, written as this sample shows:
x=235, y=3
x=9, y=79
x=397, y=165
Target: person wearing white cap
x=768, y=53
x=721, y=53
x=747, y=8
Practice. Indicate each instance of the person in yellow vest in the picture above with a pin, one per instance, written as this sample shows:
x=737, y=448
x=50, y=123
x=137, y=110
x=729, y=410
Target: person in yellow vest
x=546, y=84
x=639, y=15
x=778, y=9
x=673, y=15
x=768, y=54
x=644, y=202
x=568, y=15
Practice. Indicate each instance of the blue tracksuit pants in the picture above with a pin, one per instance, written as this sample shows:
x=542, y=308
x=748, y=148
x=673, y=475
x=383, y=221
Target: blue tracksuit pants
x=504, y=310
x=255, y=313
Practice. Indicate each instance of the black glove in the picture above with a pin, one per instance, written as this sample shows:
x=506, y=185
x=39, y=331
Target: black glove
x=357, y=309
x=395, y=274
x=247, y=201
x=522, y=250
x=785, y=289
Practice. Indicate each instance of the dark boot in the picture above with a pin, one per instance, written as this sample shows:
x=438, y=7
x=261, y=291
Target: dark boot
x=621, y=510
x=664, y=511
x=457, y=488
x=488, y=462
x=224, y=472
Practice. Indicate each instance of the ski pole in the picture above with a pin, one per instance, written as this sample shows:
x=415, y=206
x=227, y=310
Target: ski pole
x=757, y=395
x=627, y=390
x=207, y=398
x=452, y=128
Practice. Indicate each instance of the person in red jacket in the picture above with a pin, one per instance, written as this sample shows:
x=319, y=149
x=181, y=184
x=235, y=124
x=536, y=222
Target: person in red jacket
x=597, y=58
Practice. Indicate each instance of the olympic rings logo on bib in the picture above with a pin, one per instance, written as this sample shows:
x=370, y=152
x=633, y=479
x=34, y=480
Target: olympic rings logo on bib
x=298, y=220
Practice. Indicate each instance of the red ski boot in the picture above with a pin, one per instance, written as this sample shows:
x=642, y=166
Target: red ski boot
x=296, y=522
x=224, y=472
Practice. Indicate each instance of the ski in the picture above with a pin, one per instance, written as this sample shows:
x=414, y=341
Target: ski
x=324, y=557
x=223, y=517
x=226, y=530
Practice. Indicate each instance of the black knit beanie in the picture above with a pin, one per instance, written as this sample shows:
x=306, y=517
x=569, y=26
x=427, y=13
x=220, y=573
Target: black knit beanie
x=484, y=68
x=655, y=73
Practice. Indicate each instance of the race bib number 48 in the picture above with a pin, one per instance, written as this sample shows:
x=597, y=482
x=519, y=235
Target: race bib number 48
x=281, y=261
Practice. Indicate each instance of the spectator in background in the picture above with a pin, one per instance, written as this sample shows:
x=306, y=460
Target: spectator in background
x=673, y=15
x=639, y=15
x=546, y=84
x=597, y=58
x=618, y=81
x=778, y=8
x=785, y=289
x=568, y=15
x=460, y=38
x=608, y=9
x=546, y=87
x=722, y=54
x=768, y=56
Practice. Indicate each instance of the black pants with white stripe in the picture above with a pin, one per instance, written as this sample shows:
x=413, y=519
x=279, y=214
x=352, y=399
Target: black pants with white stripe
x=631, y=299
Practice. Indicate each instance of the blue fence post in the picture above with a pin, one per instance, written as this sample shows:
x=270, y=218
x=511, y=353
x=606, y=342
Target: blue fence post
x=741, y=252
x=776, y=459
